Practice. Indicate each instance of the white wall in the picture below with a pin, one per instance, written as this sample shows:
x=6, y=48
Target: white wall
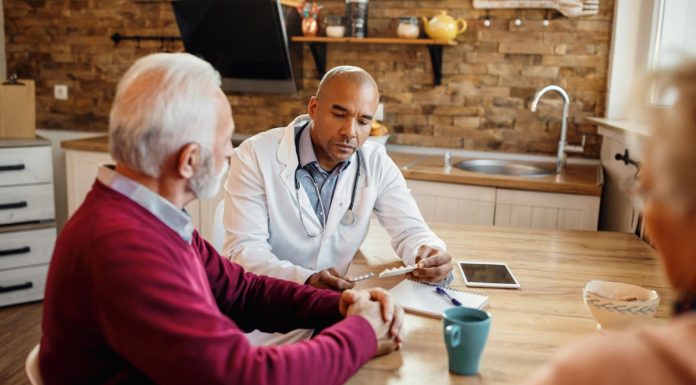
x=633, y=21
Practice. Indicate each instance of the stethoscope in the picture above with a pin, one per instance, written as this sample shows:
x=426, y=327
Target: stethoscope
x=349, y=217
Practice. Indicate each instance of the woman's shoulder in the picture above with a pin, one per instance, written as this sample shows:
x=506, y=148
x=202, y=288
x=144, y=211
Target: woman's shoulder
x=643, y=356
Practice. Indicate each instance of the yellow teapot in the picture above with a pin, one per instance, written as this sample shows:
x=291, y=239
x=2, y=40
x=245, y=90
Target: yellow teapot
x=444, y=26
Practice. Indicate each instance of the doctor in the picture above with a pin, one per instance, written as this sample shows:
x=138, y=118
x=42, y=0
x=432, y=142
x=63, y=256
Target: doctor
x=298, y=205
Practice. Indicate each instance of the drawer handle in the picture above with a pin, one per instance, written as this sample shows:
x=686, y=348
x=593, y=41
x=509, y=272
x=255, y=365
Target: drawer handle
x=21, y=250
x=21, y=286
x=13, y=205
x=12, y=167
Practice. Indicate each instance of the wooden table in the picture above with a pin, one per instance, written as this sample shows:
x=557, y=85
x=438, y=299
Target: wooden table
x=529, y=325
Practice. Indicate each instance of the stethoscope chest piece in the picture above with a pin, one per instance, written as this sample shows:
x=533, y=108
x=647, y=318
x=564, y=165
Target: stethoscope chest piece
x=348, y=218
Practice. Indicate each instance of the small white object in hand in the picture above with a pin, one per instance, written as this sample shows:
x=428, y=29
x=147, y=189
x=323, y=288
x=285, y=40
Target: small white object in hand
x=361, y=277
x=397, y=271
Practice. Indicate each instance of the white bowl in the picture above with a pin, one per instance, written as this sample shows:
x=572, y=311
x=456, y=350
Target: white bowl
x=379, y=139
x=616, y=305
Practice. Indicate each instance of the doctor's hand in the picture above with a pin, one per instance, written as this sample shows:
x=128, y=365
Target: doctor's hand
x=378, y=307
x=329, y=279
x=433, y=265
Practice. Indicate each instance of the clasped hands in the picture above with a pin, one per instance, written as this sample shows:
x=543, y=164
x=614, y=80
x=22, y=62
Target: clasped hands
x=378, y=307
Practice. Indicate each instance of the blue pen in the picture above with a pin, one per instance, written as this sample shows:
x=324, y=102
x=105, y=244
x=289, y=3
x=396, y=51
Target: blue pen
x=442, y=291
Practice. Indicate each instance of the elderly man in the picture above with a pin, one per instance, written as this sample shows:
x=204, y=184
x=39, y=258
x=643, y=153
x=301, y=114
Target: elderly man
x=299, y=207
x=135, y=295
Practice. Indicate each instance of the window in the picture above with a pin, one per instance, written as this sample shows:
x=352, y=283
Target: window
x=673, y=39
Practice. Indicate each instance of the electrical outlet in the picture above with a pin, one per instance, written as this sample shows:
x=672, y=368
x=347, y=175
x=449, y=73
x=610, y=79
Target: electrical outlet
x=60, y=92
x=379, y=114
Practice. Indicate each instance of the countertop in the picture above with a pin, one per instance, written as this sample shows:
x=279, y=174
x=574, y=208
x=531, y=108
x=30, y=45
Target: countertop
x=575, y=179
x=620, y=125
x=529, y=325
x=38, y=141
x=97, y=143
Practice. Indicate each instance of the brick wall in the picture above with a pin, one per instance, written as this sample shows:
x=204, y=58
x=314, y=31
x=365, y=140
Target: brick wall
x=482, y=104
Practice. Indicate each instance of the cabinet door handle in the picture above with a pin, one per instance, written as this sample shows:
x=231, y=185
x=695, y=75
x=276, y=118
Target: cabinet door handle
x=12, y=167
x=21, y=250
x=13, y=205
x=21, y=286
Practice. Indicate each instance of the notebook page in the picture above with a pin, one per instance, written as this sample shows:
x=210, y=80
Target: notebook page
x=421, y=298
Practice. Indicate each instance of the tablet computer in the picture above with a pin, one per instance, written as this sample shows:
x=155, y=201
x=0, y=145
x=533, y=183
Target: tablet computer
x=488, y=274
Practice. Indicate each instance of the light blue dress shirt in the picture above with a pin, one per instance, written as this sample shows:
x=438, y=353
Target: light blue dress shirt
x=311, y=173
x=176, y=219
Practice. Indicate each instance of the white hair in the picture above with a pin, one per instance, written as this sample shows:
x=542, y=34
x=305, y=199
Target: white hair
x=163, y=102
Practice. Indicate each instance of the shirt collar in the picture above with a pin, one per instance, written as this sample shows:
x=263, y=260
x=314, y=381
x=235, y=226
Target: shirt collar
x=307, y=154
x=176, y=219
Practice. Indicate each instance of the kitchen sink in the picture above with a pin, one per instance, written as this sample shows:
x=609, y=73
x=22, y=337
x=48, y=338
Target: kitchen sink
x=505, y=167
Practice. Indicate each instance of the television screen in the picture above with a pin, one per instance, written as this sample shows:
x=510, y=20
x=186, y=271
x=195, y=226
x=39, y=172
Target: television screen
x=245, y=40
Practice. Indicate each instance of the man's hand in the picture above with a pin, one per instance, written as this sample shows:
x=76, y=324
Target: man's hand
x=329, y=279
x=433, y=265
x=378, y=307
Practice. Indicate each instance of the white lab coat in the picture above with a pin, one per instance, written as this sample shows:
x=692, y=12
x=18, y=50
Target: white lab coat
x=263, y=231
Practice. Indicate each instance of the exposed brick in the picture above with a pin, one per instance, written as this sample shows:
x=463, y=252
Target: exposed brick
x=540, y=71
x=489, y=78
x=467, y=122
x=532, y=47
x=503, y=69
x=450, y=131
x=457, y=110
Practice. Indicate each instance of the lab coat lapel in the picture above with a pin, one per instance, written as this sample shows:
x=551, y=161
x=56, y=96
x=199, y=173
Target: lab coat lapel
x=288, y=157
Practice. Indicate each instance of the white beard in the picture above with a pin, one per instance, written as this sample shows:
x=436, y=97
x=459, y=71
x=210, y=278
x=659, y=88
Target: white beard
x=206, y=184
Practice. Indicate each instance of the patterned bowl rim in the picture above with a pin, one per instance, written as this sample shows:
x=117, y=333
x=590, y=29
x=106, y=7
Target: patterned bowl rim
x=636, y=302
x=645, y=308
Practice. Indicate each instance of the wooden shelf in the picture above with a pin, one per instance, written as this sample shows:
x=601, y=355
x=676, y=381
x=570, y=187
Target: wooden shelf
x=291, y=3
x=370, y=40
x=317, y=44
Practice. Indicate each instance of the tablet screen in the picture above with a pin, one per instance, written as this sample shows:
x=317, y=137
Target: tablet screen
x=487, y=273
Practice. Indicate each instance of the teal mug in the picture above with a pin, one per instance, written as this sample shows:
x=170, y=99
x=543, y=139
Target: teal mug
x=466, y=332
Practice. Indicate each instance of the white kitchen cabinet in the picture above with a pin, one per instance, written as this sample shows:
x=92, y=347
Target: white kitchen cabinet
x=454, y=203
x=546, y=210
x=460, y=203
x=81, y=171
x=27, y=219
x=619, y=212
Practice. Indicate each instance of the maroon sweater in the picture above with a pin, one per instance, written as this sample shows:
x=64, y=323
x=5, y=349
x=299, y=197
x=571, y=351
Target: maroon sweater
x=129, y=301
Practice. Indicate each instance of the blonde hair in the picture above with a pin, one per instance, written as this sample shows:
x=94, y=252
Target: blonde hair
x=672, y=142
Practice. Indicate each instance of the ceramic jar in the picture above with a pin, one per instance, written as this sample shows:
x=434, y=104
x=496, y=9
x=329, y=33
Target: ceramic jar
x=408, y=27
x=335, y=26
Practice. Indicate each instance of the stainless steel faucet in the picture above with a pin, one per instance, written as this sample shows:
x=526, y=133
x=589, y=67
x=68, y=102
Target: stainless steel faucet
x=447, y=160
x=563, y=145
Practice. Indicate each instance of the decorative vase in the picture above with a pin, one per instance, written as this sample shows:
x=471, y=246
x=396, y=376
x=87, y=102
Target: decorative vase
x=309, y=26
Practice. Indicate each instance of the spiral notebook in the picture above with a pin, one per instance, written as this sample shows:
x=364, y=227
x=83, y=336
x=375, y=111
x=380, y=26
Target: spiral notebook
x=421, y=298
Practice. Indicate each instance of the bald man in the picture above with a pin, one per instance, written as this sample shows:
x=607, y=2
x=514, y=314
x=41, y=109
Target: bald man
x=298, y=205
